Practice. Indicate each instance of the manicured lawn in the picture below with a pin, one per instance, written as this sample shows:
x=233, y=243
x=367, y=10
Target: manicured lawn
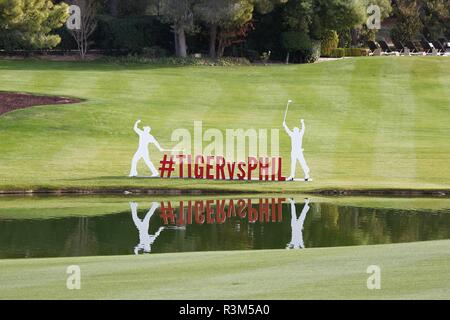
x=371, y=122
x=408, y=271
x=49, y=207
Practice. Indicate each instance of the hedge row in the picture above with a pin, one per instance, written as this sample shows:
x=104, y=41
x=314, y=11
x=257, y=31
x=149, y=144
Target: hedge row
x=349, y=52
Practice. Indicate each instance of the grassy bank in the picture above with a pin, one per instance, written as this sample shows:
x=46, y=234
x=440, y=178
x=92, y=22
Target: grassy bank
x=44, y=207
x=372, y=123
x=408, y=271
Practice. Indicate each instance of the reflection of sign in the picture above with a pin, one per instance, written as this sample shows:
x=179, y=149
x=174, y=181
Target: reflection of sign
x=145, y=239
x=218, y=211
x=297, y=226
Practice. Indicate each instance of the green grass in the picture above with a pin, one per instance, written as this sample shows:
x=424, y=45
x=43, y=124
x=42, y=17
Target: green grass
x=408, y=271
x=378, y=122
x=50, y=207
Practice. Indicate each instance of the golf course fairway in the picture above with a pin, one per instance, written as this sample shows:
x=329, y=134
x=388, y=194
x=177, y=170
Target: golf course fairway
x=372, y=123
x=416, y=270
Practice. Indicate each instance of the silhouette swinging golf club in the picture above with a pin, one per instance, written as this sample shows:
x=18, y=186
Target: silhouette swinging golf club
x=296, y=136
x=145, y=138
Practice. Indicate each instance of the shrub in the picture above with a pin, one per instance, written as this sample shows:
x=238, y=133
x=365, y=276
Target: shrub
x=131, y=34
x=356, y=52
x=338, y=53
x=352, y=52
x=154, y=52
x=349, y=52
x=313, y=54
x=408, y=25
x=128, y=34
x=177, y=61
x=296, y=41
x=330, y=42
x=365, y=52
x=251, y=55
x=304, y=49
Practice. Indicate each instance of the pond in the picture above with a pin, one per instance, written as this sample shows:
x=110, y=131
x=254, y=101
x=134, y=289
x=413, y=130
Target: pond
x=33, y=227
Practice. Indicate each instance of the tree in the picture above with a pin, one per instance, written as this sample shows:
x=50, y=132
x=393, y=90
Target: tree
x=361, y=33
x=227, y=21
x=330, y=41
x=28, y=24
x=234, y=29
x=179, y=13
x=295, y=41
x=88, y=23
x=435, y=15
x=409, y=25
x=315, y=18
x=213, y=13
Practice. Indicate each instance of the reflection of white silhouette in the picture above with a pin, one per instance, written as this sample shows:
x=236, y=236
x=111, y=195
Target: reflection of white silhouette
x=297, y=226
x=145, y=240
x=296, y=136
x=145, y=138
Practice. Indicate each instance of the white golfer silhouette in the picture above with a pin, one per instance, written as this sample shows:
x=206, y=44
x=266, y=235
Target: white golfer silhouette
x=296, y=136
x=145, y=138
x=146, y=240
x=297, y=226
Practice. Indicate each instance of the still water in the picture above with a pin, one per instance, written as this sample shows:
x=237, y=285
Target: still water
x=120, y=227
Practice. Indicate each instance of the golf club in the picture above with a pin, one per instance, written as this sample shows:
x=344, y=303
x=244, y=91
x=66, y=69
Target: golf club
x=287, y=107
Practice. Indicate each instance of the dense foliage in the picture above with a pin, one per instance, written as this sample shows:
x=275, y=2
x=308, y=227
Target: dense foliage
x=29, y=24
x=284, y=30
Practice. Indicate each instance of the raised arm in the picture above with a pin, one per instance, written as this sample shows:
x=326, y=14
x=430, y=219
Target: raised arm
x=302, y=131
x=289, y=132
x=150, y=212
x=293, y=209
x=136, y=220
x=304, y=211
x=136, y=129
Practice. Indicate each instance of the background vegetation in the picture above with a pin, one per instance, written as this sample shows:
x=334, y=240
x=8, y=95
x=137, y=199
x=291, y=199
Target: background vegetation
x=255, y=29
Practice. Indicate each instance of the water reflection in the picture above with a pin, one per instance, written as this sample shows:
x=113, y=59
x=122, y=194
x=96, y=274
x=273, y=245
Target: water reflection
x=297, y=225
x=145, y=239
x=211, y=224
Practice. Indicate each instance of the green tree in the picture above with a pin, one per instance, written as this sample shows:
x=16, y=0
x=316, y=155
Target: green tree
x=361, y=33
x=435, y=15
x=295, y=41
x=28, y=24
x=316, y=17
x=214, y=13
x=408, y=25
x=330, y=41
x=229, y=20
x=180, y=14
x=88, y=24
x=235, y=28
